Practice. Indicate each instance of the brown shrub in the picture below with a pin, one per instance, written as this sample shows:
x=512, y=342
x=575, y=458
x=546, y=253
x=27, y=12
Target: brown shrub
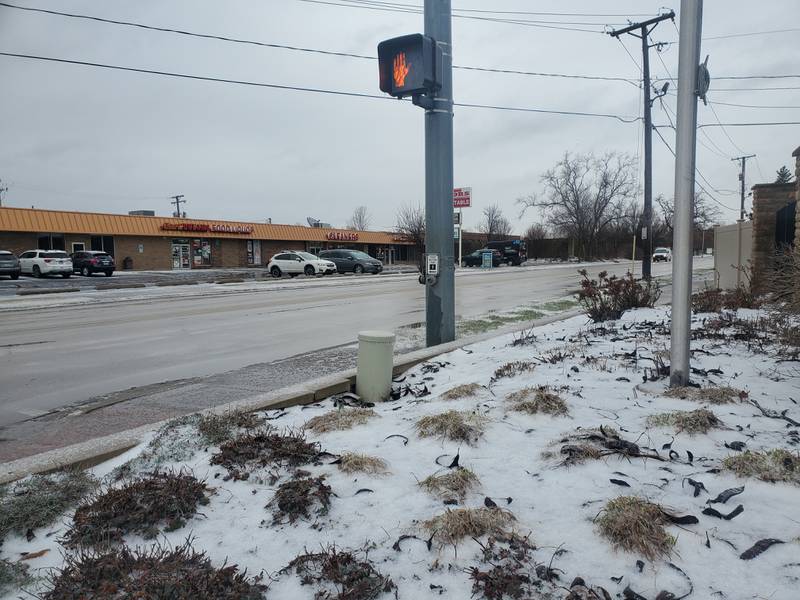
x=636, y=525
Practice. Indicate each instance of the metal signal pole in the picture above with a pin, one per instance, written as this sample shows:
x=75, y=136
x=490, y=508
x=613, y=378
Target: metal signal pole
x=647, y=232
x=440, y=292
x=685, y=154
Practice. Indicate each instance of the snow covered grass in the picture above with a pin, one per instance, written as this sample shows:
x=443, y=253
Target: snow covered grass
x=533, y=400
x=772, y=465
x=340, y=419
x=452, y=425
x=552, y=479
x=690, y=421
x=465, y=390
x=454, y=484
x=712, y=394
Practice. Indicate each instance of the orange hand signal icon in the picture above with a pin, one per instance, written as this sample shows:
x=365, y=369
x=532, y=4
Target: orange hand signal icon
x=400, y=70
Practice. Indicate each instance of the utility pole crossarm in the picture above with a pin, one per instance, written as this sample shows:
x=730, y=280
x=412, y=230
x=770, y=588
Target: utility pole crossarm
x=643, y=24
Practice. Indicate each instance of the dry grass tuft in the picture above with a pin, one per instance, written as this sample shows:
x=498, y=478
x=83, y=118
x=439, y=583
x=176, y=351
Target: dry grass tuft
x=141, y=506
x=351, y=462
x=466, y=390
x=155, y=573
x=453, y=425
x=453, y=526
x=455, y=484
x=296, y=498
x=513, y=368
x=773, y=465
x=340, y=575
x=41, y=499
x=218, y=428
x=265, y=449
x=712, y=395
x=534, y=400
x=13, y=575
x=690, y=421
x=340, y=419
x=636, y=525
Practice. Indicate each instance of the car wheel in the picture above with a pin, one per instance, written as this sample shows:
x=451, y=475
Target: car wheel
x=275, y=272
x=15, y=276
x=358, y=269
x=109, y=273
x=309, y=271
x=37, y=272
x=66, y=275
x=86, y=272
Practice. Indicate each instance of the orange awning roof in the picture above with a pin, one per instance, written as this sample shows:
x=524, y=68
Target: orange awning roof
x=35, y=220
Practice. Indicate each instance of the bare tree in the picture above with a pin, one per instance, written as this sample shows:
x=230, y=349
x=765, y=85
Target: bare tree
x=361, y=219
x=584, y=195
x=411, y=225
x=784, y=175
x=537, y=231
x=706, y=214
x=494, y=224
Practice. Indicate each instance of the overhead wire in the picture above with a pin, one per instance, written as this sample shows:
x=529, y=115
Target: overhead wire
x=294, y=48
x=623, y=119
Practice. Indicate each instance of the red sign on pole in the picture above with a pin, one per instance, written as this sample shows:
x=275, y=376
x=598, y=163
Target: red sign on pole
x=462, y=197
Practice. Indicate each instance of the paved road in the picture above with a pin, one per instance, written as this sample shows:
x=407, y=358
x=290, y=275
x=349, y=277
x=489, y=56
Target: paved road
x=53, y=357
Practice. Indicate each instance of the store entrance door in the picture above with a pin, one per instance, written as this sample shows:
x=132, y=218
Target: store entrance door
x=181, y=256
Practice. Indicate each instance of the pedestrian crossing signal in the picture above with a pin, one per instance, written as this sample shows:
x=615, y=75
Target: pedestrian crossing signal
x=408, y=65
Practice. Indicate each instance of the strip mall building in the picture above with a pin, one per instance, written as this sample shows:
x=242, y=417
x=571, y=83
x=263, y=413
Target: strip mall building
x=162, y=243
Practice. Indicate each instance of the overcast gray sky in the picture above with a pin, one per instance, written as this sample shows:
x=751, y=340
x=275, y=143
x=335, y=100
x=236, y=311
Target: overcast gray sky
x=80, y=138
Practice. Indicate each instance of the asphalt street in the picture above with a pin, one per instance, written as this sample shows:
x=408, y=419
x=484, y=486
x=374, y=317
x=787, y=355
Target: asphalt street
x=60, y=356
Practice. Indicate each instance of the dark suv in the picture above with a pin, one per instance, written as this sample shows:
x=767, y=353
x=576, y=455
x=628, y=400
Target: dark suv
x=9, y=264
x=89, y=262
x=352, y=261
x=476, y=258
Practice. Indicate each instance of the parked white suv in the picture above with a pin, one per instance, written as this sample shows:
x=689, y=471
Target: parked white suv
x=294, y=263
x=664, y=254
x=46, y=262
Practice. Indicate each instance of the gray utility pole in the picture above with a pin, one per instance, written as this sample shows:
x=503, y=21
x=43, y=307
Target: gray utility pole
x=177, y=202
x=440, y=292
x=3, y=190
x=743, y=160
x=647, y=231
x=689, y=87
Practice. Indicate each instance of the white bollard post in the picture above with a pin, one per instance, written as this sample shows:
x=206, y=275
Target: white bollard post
x=375, y=360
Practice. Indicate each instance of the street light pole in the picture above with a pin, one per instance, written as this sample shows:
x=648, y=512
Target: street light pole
x=685, y=155
x=440, y=291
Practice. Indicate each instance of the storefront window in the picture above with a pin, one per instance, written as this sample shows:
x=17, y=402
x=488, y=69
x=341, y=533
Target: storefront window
x=103, y=243
x=253, y=252
x=51, y=241
x=201, y=253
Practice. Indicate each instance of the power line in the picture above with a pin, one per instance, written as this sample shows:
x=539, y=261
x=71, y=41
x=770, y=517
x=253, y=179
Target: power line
x=523, y=22
x=700, y=185
x=751, y=105
x=503, y=12
x=234, y=40
x=761, y=89
x=747, y=34
x=623, y=119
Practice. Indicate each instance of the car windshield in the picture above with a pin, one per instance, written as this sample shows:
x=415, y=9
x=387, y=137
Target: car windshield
x=662, y=250
x=54, y=255
x=306, y=256
x=360, y=255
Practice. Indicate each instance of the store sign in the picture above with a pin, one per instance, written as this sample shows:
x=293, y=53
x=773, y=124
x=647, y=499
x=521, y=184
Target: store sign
x=462, y=197
x=204, y=227
x=342, y=236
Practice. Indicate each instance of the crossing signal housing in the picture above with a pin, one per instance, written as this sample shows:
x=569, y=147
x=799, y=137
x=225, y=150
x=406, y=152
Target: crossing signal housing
x=409, y=65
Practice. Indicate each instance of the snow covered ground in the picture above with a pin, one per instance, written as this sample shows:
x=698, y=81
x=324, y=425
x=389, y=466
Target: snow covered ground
x=598, y=370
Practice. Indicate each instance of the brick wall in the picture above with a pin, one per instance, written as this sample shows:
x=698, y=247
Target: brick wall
x=18, y=242
x=768, y=199
x=156, y=255
x=270, y=249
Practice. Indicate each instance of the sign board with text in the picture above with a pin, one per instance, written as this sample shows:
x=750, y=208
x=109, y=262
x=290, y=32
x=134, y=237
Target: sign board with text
x=462, y=197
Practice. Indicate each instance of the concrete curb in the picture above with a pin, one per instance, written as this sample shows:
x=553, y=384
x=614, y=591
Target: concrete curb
x=39, y=291
x=93, y=452
x=229, y=280
x=171, y=283
x=118, y=286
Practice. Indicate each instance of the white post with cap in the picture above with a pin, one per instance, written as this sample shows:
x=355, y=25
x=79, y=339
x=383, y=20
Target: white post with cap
x=375, y=361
